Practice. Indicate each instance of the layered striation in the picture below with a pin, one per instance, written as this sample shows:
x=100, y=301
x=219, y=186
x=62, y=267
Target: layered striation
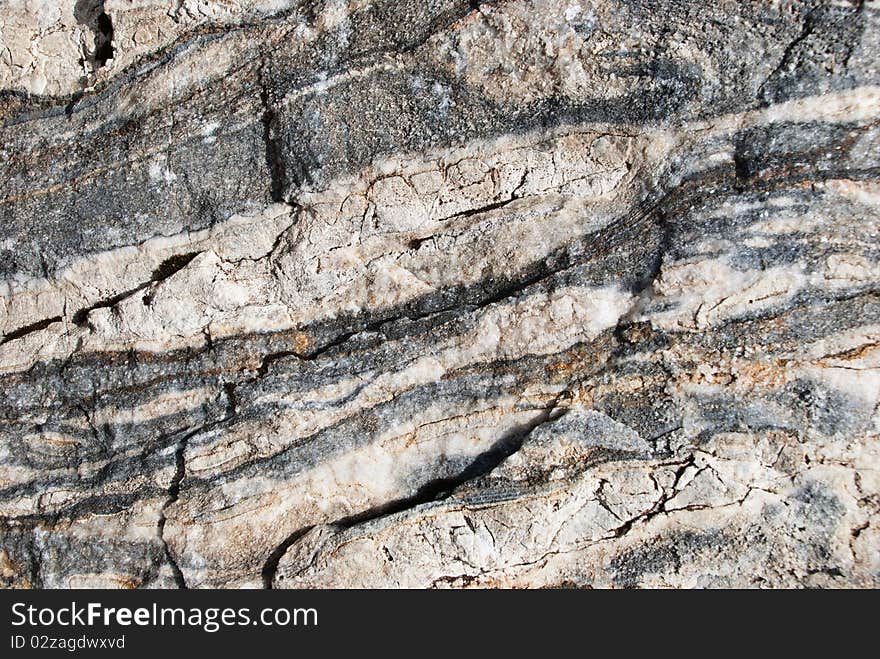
x=400, y=294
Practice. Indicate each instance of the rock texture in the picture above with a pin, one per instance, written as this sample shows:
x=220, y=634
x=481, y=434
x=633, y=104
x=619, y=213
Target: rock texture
x=521, y=293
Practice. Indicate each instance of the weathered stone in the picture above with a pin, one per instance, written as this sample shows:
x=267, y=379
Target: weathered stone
x=519, y=293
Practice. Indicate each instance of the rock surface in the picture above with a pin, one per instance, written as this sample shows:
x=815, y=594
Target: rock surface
x=523, y=293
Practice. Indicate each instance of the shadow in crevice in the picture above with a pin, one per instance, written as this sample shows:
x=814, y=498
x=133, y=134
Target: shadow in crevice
x=91, y=14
